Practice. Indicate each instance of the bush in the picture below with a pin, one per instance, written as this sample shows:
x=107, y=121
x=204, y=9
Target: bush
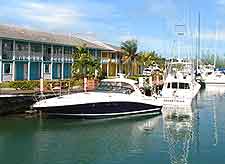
x=32, y=84
x=20, y=84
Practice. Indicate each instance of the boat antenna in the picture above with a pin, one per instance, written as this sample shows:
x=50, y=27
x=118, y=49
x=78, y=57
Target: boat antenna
x=215, y=55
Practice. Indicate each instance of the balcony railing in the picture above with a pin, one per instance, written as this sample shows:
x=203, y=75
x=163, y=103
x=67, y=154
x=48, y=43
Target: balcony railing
x=68, y=60
x=47, y=76
x=36, y=58
x=47, y=57
x=21, y=55
x=7, y=77
x=35, y=54
x=6, y=54
x=57, y=59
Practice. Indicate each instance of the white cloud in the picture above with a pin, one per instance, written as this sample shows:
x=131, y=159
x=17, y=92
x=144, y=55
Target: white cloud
x=49, y=14
x=149, y=43
x=213, y=36
x=221, y=2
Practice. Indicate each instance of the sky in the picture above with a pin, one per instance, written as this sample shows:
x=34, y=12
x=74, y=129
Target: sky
x=153, y=23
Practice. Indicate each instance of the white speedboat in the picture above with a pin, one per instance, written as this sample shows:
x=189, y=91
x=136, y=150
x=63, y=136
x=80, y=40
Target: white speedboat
x=211, y=76
x=180, y=86
x=112, y=98
x=214, y=78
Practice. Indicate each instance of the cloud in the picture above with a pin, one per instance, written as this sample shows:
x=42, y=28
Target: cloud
x=149, y=43
x=220, y=2
x=50, y=13
x=47, y=16
x=57, y=16
x=50, y=16
x=213, y=36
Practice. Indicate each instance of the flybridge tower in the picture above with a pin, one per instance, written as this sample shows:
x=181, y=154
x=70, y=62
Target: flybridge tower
x=180, y=30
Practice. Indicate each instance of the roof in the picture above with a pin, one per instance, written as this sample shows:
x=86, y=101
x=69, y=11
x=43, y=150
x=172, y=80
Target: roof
x=13, y=32
x=99, y=43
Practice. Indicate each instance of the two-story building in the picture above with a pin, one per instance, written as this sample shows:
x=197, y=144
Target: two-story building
x=31, y=55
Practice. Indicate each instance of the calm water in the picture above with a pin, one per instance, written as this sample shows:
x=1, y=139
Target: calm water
x=197, y=137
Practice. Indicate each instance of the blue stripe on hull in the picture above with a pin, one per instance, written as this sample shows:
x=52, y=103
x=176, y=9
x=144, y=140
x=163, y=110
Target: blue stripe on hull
x=102, y=110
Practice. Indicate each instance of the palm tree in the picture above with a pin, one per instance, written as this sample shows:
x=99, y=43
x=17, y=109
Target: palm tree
x=129, y=49
x=151, y=58
x=84, y=63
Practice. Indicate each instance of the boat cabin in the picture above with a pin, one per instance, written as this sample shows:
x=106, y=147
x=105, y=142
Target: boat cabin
x=118, y=85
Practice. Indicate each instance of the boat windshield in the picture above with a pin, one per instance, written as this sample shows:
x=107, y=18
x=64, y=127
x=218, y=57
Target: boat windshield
x=115, y=87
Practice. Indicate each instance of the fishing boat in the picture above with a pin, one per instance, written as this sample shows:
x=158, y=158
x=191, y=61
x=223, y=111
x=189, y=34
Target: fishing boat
x=113, y=98
x=180, y=86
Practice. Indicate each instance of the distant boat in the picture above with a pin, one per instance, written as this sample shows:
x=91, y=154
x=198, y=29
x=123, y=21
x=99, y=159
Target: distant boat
x=180, y=86
x=212, y=76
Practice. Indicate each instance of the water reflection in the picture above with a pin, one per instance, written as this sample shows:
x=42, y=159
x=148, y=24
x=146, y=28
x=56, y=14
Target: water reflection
x=178, y=128
x=214, y=91
x=180, y=135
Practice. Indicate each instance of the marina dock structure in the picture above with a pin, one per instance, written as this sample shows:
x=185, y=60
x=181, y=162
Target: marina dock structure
x=30, y=55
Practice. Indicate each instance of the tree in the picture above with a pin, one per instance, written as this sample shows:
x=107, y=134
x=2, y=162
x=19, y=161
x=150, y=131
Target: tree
x=84, y=63
x=151, y=58
x=129, y=49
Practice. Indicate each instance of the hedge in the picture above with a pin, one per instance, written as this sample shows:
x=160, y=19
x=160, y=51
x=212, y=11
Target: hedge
x=32, y=84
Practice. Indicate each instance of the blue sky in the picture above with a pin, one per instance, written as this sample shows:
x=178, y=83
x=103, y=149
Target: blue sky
x=151, y=22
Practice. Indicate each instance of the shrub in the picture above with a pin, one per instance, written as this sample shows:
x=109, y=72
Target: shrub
x=32, y=84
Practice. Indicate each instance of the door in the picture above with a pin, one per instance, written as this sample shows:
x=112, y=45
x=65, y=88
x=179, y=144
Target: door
x=25, y=73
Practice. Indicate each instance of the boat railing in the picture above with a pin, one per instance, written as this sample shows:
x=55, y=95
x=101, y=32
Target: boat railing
x=53, y=89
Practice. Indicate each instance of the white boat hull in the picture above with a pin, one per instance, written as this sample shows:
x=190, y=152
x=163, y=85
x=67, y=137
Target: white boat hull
x=99, y=105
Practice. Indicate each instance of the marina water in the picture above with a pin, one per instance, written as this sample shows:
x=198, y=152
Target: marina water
x=196, y=138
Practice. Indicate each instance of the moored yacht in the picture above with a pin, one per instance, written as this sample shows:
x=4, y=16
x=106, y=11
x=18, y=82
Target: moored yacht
x=112, y=98
x=180, y=86
x=214, y=78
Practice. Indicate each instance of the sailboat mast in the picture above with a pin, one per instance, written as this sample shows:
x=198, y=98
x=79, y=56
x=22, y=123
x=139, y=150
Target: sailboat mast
x=199, y=39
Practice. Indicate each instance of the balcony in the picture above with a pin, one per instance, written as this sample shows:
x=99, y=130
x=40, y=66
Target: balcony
x=7, y=77
x=105, y=61
x=35, y=58
x=47, y=57
x=69, y=60
x=47, y=76
x=57, y=55
x=21, y=55
x=57, y=59
x=35, y=54
x=7, y=54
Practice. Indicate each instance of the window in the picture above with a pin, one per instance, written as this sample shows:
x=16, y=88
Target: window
x=168, y=85
x=49, y=50
x=36, y=48
x=47, y=68
x=21, y=46
x=186, y=86
x=174, y=85
x=115, y=87
x=113, y=56
x=181, y=85
x=57, y=50
x=7, y=45
x=7, y=68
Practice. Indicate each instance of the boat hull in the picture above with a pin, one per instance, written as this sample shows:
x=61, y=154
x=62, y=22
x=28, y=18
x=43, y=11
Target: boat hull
x=102, y=110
